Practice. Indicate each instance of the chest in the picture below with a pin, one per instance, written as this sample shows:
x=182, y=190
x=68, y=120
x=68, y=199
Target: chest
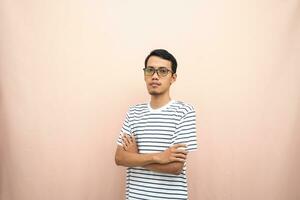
x=154, y=132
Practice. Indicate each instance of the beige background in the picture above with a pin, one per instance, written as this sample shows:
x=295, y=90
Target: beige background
x=70, y=69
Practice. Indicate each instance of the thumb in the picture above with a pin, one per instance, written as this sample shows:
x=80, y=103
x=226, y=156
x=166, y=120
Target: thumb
x=133, y=137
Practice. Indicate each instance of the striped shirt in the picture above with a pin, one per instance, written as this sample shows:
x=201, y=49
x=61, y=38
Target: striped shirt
x=156, y=130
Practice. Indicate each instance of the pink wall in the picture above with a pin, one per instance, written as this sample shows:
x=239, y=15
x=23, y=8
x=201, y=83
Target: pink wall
x=70, y=69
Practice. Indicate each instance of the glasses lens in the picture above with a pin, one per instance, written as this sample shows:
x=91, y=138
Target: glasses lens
x=149, y=71
x=163, y=71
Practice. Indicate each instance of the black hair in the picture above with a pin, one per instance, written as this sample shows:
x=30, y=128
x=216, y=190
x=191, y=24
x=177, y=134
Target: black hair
x=164, y=54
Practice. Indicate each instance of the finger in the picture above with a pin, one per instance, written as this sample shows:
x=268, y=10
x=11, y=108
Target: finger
x=174, y=159
x=125, y=139
x=128, y=139
x=125, y=142
x=180, y=160
x=180, y=151
x=178, y=145
x=133, y=138
x=179, y=155
x=124, y=145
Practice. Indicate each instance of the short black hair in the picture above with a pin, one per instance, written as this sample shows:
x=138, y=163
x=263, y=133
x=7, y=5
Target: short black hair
x=164, y=54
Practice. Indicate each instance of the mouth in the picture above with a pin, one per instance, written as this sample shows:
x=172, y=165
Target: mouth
x=154, y=84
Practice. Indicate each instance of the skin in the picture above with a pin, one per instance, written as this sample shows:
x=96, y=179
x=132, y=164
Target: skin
x=172, y=159
x=160, y=94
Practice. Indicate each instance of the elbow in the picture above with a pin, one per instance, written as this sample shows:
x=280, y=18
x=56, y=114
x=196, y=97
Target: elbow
x=177, y=171
x=118, y=160
x=119, y=157
x=177, y=168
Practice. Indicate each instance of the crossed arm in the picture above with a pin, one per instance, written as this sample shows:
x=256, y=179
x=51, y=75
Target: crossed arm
x=169, y=161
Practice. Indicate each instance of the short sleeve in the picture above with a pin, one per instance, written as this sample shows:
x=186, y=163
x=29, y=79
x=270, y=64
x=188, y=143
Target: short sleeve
x=126, y=128
x=185, y=132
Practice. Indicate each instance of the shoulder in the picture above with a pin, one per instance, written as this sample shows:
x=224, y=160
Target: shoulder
x=137, y=108
x=183, y=107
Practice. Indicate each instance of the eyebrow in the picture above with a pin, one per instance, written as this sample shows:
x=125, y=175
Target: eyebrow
x=158, y=67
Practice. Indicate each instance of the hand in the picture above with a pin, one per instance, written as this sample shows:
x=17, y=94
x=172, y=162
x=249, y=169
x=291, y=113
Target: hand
x=172, y=154
x=129, y=143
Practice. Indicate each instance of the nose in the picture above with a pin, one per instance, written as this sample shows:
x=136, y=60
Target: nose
x=155, y=76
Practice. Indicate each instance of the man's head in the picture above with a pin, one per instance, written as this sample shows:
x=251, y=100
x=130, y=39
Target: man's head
x=160, y=71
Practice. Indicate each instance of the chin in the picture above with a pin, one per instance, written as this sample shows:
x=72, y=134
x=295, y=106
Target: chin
x=153, y=92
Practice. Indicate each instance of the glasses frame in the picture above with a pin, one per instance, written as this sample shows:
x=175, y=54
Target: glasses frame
x=156, y=71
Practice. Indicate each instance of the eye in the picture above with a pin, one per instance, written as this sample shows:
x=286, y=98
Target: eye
x=149, y=69
x=163, y=70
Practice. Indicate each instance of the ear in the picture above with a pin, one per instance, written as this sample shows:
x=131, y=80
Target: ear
x=174, y=77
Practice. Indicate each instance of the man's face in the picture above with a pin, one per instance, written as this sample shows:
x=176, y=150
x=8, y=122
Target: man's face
x=158, y=85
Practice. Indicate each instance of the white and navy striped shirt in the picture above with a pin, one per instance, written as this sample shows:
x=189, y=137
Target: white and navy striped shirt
x=156, y=130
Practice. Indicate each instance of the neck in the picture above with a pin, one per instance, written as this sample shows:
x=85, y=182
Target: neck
x=158, y=101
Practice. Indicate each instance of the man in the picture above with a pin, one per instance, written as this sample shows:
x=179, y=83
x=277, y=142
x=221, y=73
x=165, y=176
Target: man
x=156, y=136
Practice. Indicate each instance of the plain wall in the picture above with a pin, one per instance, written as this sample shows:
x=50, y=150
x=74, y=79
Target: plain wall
x=69, y=70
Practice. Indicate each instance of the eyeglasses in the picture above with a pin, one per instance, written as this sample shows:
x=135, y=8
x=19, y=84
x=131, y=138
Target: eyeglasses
x=161, y=71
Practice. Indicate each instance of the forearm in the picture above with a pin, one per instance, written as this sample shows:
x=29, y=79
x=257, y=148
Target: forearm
x=171, y=168
x=129, y=159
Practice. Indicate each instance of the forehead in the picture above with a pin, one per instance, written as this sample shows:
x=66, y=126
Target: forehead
x=155, y=61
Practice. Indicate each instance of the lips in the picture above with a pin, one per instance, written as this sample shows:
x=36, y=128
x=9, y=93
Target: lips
x=154, y=84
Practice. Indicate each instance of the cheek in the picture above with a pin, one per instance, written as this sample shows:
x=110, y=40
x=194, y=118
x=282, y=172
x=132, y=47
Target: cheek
x=166, y=83
x=169, y=81
x=146, y=79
